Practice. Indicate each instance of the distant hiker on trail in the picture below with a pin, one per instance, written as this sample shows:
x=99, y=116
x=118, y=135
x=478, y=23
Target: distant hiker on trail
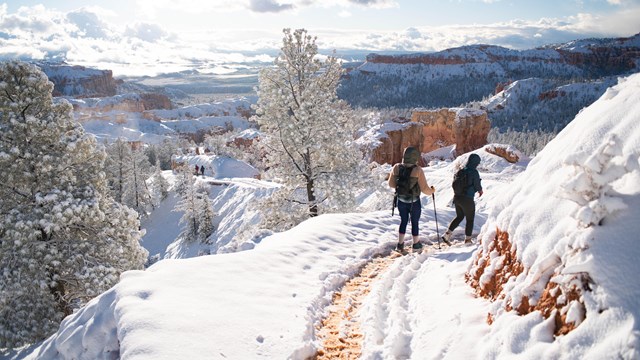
x=409, y=181
x=469, y=179
x=197, y=169
x=202, y=170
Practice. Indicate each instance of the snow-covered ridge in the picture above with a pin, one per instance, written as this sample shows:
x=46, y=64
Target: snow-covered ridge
x=542, y=104
x=575, y=52
x=558, y=240
x=585, y=45
x=470, y=73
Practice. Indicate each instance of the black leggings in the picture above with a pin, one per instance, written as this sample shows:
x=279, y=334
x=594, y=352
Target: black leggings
x=465, y=207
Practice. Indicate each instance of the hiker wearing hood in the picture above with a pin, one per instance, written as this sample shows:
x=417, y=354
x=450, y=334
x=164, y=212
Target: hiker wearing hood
x=408, y=201
x=465, y=205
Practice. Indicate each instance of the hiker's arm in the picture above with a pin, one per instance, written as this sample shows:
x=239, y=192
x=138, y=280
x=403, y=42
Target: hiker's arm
x=422, y=182
x=477, y=186
x=392, y=177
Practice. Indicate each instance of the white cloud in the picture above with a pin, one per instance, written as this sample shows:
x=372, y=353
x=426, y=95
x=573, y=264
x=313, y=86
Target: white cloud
x=145, y=31
x=344, y=14
x=518, y=34
x=413, y=33
x=88, y=23
x=84, y=36
x=268, y=6
x=152, y=7
x=624, y=21
x=35, y=20
x=378, y=4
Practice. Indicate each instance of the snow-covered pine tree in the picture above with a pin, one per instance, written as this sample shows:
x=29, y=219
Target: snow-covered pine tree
x=160, y=185
x=309, y=134
x=188, y=204
x=162, y=152
x=117, y=154
x=196, y=206
x=205, y=215
x=63, y=239
x=219, y=145
x=136, y=192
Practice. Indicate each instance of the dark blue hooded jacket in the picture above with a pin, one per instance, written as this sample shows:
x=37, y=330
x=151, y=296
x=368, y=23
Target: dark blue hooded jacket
x=474, y=176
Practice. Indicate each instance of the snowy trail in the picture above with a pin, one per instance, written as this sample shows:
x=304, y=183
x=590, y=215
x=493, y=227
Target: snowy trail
x=340, y=331
x=386, y=280
x=374, y=316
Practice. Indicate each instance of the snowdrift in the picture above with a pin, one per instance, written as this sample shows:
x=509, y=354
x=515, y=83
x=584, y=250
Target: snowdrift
x=561, y=245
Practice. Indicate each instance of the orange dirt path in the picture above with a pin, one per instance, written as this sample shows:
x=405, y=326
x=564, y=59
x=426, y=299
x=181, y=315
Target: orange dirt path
x=340, y=331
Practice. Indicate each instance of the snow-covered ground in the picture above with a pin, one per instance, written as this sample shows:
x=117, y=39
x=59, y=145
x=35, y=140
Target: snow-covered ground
x=277, y=293
x=268, y=302
x=107, y=118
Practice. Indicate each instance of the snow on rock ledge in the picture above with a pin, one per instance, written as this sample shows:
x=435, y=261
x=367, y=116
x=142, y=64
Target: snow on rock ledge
x=558, y=242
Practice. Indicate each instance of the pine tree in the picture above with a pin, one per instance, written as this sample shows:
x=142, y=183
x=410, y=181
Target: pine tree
x=163, y=153
x=205, y=215
x=63, y=240
x=160, y=185
x=196, y=206
x=136, y=192
x=309, y=134
x=115, y=166
x=189, y=205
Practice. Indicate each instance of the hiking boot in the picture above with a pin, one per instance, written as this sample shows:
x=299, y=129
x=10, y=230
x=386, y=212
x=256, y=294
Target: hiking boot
x=416, y=246
x=467, y=240
x=445, y=238
x=400, y=246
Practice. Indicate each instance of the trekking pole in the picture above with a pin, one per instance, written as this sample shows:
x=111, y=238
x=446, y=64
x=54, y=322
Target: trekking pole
x=393, y=206
x=435, y=214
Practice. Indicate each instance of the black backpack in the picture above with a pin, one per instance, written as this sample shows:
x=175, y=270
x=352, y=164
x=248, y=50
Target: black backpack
x=403, y=185
x=460, y=182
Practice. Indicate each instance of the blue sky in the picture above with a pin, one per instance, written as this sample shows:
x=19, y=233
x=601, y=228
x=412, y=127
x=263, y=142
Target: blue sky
x=130, y=31
x=360, y=14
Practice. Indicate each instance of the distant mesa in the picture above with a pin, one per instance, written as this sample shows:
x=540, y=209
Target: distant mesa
x=470, y=73
x=79, y=81
x=601, y=56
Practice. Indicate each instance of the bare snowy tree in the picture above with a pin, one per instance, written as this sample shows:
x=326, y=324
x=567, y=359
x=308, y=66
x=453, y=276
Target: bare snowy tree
x=309, y=134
